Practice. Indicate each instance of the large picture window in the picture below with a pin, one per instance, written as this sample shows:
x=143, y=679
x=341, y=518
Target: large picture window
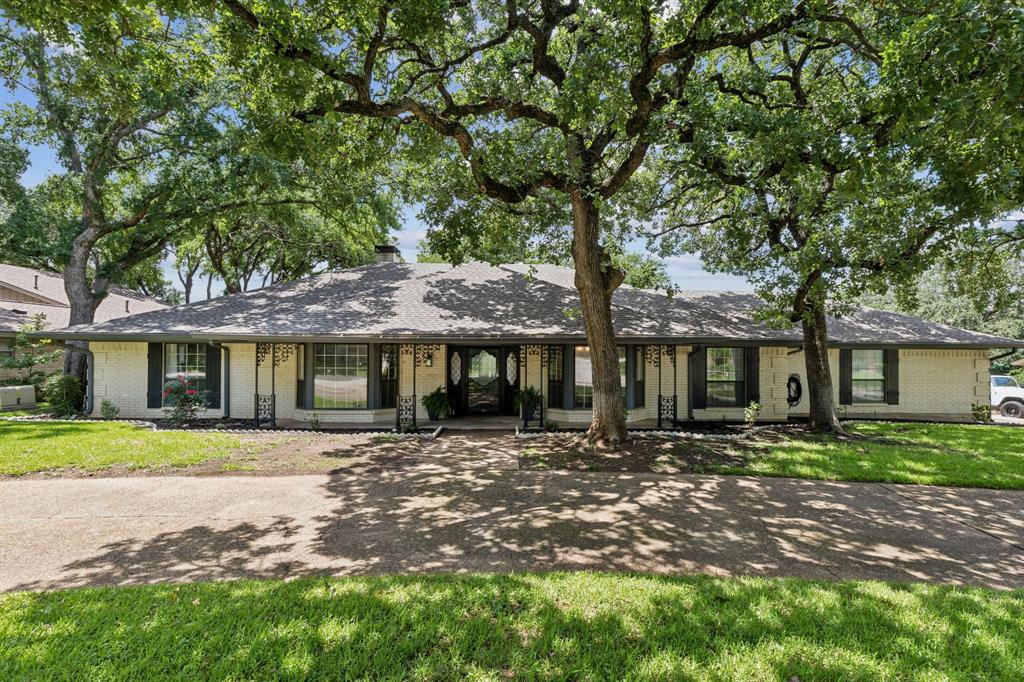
x=724, y=377
x=583, y=389
x=388, y=375
x=868, y=376
x=583, y=367
x=6, y=351
x=340, y=373
x=556, y=372
x=186, y=360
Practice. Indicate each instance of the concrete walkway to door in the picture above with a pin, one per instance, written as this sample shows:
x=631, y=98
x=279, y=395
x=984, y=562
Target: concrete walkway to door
x=477, y=512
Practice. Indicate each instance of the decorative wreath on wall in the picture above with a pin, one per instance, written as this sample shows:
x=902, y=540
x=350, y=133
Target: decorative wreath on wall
x=794, y=390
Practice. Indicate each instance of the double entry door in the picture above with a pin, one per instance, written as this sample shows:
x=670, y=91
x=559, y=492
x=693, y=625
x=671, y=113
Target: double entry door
x=483, y=379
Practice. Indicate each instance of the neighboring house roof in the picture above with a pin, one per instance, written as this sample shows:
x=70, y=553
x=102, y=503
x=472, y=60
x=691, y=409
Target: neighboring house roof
x=45, y=293
x=434, y=302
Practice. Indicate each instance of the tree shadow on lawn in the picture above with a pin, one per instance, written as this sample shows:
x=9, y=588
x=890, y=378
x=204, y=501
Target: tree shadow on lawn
x=431, y=519
x=655, y=454
x=198, y=553
x=445, y=514
x=522, y=627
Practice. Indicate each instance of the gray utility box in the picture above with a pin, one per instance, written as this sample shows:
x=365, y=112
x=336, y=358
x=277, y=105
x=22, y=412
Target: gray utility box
x=17, y=397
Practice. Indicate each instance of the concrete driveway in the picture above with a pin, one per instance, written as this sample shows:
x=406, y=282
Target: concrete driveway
x=481, y=513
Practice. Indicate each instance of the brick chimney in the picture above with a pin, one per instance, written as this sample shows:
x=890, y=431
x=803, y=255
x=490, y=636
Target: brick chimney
x=387, y=253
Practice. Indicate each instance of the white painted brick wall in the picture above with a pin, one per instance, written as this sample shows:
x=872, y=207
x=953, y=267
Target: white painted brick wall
x=121, y=376
x=427, y=379
x=933, y=384
x=772, y=404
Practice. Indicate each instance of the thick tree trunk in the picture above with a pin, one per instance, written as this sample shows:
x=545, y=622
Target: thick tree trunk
x=82, y=300
x=820, y=396
x=596, y=279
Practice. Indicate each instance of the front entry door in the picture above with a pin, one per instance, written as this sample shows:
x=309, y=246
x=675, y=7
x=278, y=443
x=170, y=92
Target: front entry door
x=483, y=379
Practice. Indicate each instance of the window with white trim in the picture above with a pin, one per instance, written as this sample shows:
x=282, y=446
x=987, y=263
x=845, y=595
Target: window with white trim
x=186, y=360
x=724, y=377
x=868, y=376
x=583, y=378
x=340, y=372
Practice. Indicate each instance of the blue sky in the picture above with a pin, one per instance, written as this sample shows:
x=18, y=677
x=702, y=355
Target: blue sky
x=686, y=271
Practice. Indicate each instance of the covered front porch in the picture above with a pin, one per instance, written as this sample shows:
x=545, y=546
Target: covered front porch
x=383, y=385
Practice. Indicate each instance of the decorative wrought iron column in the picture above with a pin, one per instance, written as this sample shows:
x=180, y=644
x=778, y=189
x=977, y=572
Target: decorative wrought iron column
x=670, y=407
x=545, y=362
x=652, y=354
x=405, y=413
x=405, y=406
x=532, y=412
x=265, y=407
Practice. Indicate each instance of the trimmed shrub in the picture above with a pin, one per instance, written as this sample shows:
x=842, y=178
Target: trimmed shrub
x=109, y=410
x=751, y=413
x=65, y=394
x=183, y=394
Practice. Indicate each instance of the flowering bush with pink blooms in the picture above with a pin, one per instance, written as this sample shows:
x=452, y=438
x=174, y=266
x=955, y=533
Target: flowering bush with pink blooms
x=185, y=399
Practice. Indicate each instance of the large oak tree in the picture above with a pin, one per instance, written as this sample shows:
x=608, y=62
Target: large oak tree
x=535, y=99
x=150, y=138
x=846, y=159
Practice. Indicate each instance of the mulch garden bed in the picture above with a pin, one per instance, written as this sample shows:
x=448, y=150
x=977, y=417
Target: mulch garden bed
x=642, y=453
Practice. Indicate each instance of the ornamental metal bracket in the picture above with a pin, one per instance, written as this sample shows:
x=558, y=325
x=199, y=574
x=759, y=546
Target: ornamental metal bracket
x=277, y=352
x=262, y=351
x=283, y=351
x=653, y=355
x=670, y=352
x=426, y=351
x=535, y=350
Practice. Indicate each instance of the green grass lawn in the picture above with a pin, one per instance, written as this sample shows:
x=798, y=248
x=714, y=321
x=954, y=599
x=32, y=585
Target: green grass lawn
x=551, y=626
x=39, y=445
x=932, y=454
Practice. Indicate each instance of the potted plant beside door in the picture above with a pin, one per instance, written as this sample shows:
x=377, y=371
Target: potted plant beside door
x=437, y=404
x=528, y=402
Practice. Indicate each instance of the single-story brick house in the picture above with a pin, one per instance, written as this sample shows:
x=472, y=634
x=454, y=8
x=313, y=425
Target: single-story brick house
x=363, y=346
x=28, y=292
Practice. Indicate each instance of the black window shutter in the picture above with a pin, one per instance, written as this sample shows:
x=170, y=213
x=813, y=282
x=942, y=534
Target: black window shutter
x=212, y=377
x=752, y=374
x=892, y=376
x=155, y=375
x=845, y=376
x=698, y=371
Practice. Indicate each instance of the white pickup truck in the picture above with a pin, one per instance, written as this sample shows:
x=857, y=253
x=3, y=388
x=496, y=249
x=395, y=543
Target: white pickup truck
x=1007, y=396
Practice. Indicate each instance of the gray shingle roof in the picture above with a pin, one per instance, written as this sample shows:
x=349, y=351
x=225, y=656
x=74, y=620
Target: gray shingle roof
x=431, y=301
x=49, y=287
